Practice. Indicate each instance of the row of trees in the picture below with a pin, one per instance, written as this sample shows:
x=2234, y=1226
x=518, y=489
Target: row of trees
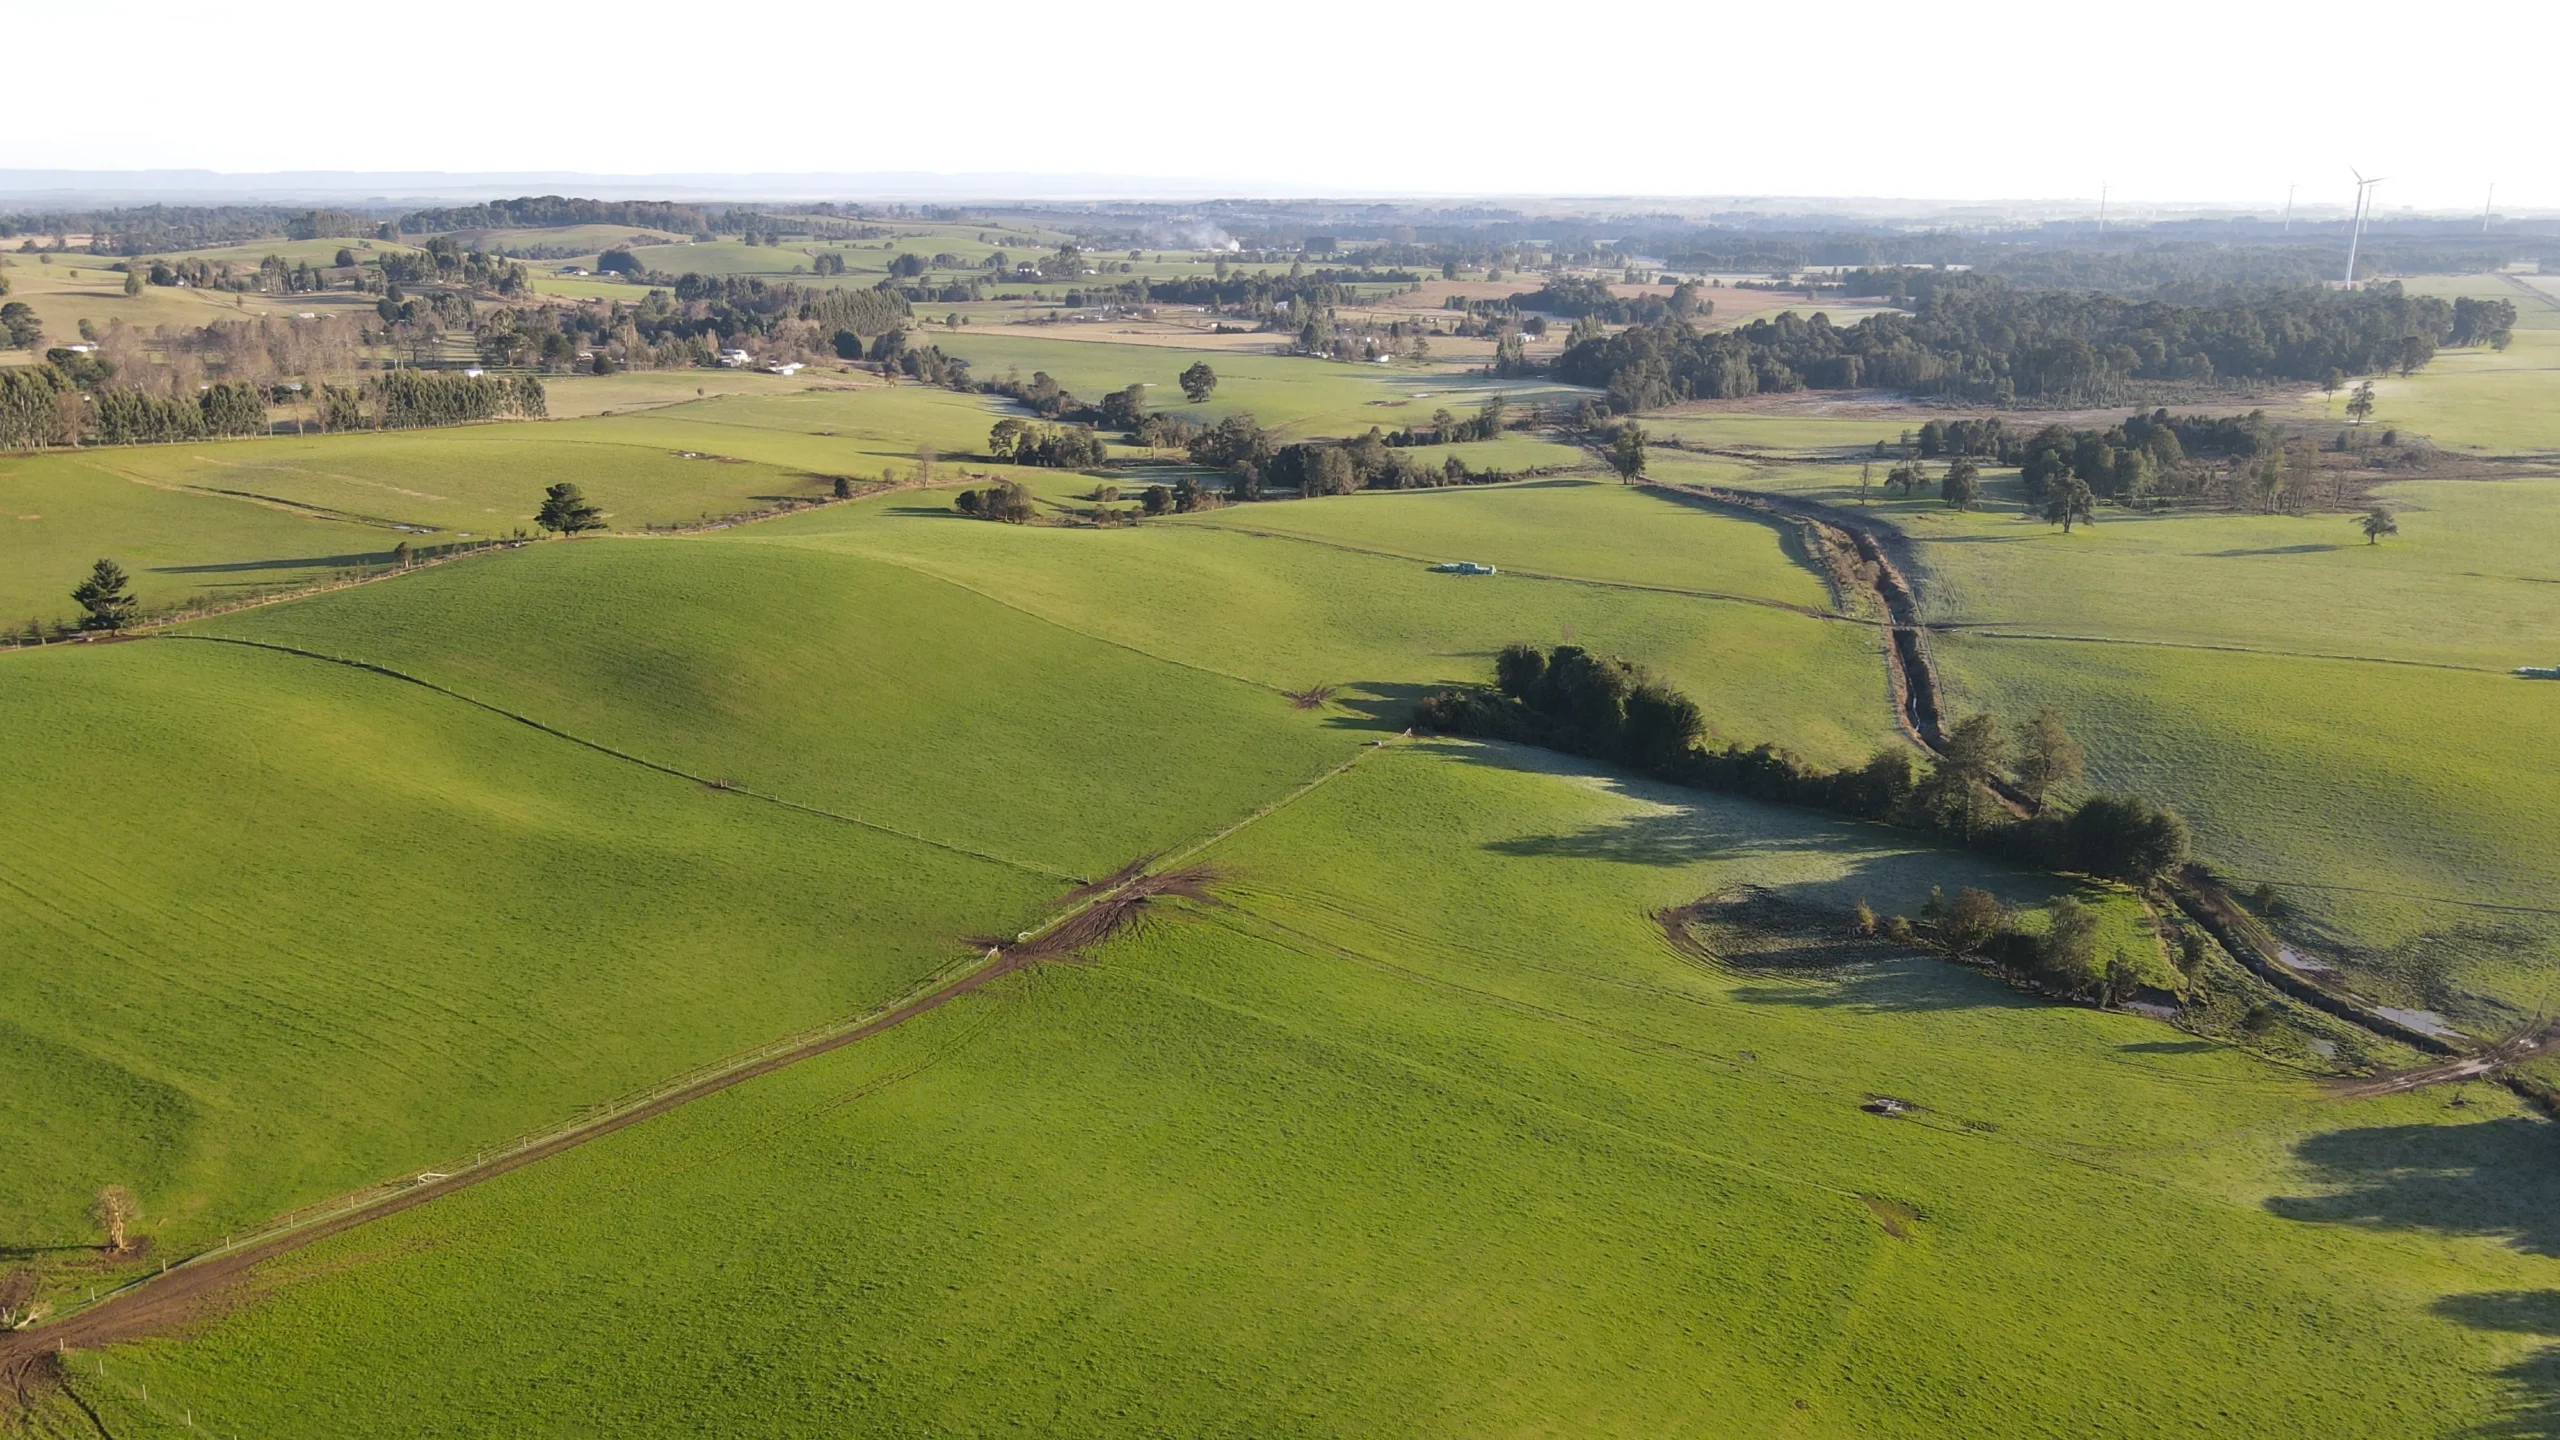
x=1571, y=699
x=43, y=405
x=1985, y=341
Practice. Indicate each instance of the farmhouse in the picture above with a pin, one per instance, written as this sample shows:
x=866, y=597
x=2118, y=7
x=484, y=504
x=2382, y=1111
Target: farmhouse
x=736, y=359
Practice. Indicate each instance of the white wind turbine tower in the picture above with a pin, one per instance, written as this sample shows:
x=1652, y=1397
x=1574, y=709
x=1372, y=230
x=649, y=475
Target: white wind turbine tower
x=2355, y=232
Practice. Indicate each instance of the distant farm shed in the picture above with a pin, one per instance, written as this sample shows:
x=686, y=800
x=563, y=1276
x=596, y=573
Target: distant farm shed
x=1462, y=567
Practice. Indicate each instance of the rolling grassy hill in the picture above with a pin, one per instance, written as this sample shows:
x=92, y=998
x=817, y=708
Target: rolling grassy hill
x=1426, y=1131
x=285, y=926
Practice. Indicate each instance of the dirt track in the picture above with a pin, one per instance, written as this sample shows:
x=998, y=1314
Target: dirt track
x=167, y=1301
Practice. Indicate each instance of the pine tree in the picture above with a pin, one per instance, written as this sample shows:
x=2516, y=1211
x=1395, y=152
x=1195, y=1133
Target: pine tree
x=566, y=511
x=106, y=598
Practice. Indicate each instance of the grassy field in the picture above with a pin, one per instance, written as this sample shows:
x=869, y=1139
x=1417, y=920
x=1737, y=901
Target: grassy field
x=445, y=925
x=1427, y=1132
x=1293, y=613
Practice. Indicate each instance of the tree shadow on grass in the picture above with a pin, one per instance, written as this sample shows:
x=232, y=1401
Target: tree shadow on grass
x=305, y=562
x=2314, y=549
x=2494, y=1179
x=1383, y=705
x=1909, y=984
x=2533, y=1402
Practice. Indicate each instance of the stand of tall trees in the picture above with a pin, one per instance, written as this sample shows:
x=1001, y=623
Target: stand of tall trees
x=1986, y=341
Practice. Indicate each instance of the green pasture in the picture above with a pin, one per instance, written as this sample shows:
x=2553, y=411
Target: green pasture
x=280, y=928
x=1426, y=1131
x=2478, y=399
x=436, y=924
x=1587, y=529
x=1302, y=612
x=838, y=681
x=59, y=514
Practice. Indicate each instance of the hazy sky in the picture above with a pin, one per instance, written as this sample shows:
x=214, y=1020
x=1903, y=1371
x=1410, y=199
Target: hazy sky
x=2163, y=100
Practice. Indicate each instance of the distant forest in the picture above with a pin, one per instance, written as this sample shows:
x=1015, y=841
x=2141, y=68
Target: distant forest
x=1984, y=340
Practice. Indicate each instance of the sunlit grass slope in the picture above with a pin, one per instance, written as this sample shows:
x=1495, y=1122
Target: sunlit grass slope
x=1429, y=1133
x=838, y=681
x=1294, y=613
x=277, y=928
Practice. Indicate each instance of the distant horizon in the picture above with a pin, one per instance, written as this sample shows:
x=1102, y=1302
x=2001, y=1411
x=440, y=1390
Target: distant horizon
x=28, y=188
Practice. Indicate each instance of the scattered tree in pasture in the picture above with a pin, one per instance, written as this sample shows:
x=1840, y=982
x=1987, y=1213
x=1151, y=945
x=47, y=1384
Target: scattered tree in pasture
x=1907, y=477
x=132, y=281
x=1626, y=451
x=106, y=598
x=1866, y=482
x=400, y=555
x=1157, y=500
x=567, y=511
x=1961, y=487
x=2377, y=523
x=1199, y=382
x=2068, y=500
x=844, y=487
x=2360, y=403
x=115, y=1210
x=2330, y=382
x=19, y=326
x=2048, y=758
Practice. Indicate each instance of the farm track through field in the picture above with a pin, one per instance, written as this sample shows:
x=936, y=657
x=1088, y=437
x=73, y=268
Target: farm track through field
x=1088, y=914
x=1027, y=867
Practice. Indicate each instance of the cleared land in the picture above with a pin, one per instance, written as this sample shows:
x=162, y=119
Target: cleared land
x=1430, y=1133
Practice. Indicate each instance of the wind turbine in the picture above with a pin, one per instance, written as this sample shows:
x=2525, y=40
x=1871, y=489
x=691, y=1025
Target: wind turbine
x=2487, y=205
x=2288, y=208
x=2355, y=232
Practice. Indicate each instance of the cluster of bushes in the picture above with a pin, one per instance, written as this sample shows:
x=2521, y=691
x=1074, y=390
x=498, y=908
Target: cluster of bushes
x=1059, y=447
x=1448, y=429
x=1576, y=298
x=1256, y=463
x=1006, y=500
x=2061, y=959
x=1570, y=699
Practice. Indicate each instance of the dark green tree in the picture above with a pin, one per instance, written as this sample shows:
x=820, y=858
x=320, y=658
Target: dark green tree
x=566, y=511
x=2067, y=500
x=106, y=598
x=2360, y=403
x=1626, y=451
x=1961, y=487
x=1199, y=382
x=2377, y=523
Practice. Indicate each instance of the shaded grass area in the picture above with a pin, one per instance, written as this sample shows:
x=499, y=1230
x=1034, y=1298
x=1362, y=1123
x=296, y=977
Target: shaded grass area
x=1427, y=1132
